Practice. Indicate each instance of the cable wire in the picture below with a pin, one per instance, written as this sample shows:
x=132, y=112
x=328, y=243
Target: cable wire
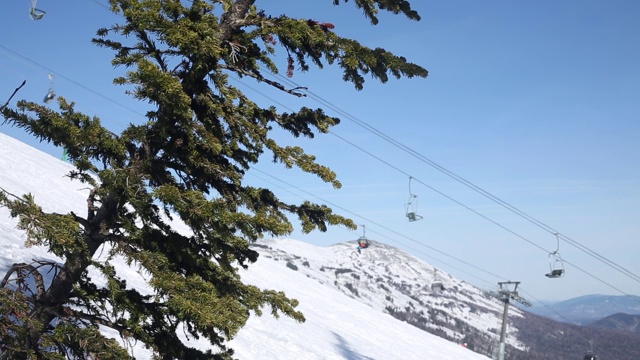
x=450, y=198
x=417, y=155
x=468, y=183
x=70, y=80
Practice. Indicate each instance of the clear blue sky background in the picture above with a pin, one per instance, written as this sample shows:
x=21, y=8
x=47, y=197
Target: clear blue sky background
x=535, y=102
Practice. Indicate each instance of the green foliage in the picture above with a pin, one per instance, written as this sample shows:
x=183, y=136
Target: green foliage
x=186, y=163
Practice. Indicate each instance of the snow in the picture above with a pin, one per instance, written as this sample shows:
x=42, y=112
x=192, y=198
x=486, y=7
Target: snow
x=337, y=326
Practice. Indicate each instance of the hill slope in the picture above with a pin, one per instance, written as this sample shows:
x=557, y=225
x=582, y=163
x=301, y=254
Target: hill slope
x=369, y=305
x=391, y=281
x=337, y=326
x=620, y=322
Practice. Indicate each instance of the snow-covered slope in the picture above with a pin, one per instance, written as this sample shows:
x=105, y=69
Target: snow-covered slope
x=339, y=325
x=391, y=281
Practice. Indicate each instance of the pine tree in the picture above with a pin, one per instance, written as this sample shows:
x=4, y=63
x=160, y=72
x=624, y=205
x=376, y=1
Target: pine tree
x=187, y=163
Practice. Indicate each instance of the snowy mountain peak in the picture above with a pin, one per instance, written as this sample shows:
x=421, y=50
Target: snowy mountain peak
x=391, y=281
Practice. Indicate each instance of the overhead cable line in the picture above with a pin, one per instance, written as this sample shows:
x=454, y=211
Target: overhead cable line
x=381, y=226
x=414, y=178
x=413, y=153
x=468, y=183
x=403, y=147
x=289, y=186
x=452, y=199
x=432, y=248
x=426, y=160
x=70, y=80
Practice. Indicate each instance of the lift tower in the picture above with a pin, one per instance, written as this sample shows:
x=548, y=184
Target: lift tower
x=508, y=290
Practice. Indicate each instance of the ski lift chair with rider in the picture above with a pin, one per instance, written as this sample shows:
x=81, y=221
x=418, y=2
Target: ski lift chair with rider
x=363, y=242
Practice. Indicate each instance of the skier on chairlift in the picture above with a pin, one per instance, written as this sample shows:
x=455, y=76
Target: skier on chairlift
x=363, y=242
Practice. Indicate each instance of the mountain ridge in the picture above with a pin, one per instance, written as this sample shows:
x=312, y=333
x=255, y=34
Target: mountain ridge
x=583, y=310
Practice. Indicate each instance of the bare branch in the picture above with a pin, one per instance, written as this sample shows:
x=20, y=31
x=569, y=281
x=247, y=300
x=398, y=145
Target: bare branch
x=261, y=78
x=31, y=270
x=12, y=195
x=12, y=95
x=69, y=313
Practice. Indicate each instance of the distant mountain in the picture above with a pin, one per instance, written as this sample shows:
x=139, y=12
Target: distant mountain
x=619, y=321
x=589, y=308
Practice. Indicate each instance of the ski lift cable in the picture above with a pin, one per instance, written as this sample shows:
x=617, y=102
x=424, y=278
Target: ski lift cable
x=342, y=138
x=49, y=70
x=101, y=4
x=441, y=193
x=447, y=196
x=579, y=246
x=467, y=183
x=631, y=275
x=288, y=187
x=330, y=105
x=375, y=131
x=429, y=162
x=136, y=112
x=432, y=248
x=379, y=225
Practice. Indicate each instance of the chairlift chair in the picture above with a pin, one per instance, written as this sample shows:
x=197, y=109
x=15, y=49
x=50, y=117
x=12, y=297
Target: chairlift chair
x=50, y=94
x=590, y=355
x=363, y=242
x=411, y=207
x=436, y=285
x=34, y=12
x=556, y=265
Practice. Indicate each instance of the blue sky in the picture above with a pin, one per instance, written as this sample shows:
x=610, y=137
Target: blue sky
x=536, y=103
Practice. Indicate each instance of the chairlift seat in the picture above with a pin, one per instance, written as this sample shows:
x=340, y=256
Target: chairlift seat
x=50, y=96
x=363, y=242
x=556, y=273
x=437, y=286
x=412, y=216
x=36, y=14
